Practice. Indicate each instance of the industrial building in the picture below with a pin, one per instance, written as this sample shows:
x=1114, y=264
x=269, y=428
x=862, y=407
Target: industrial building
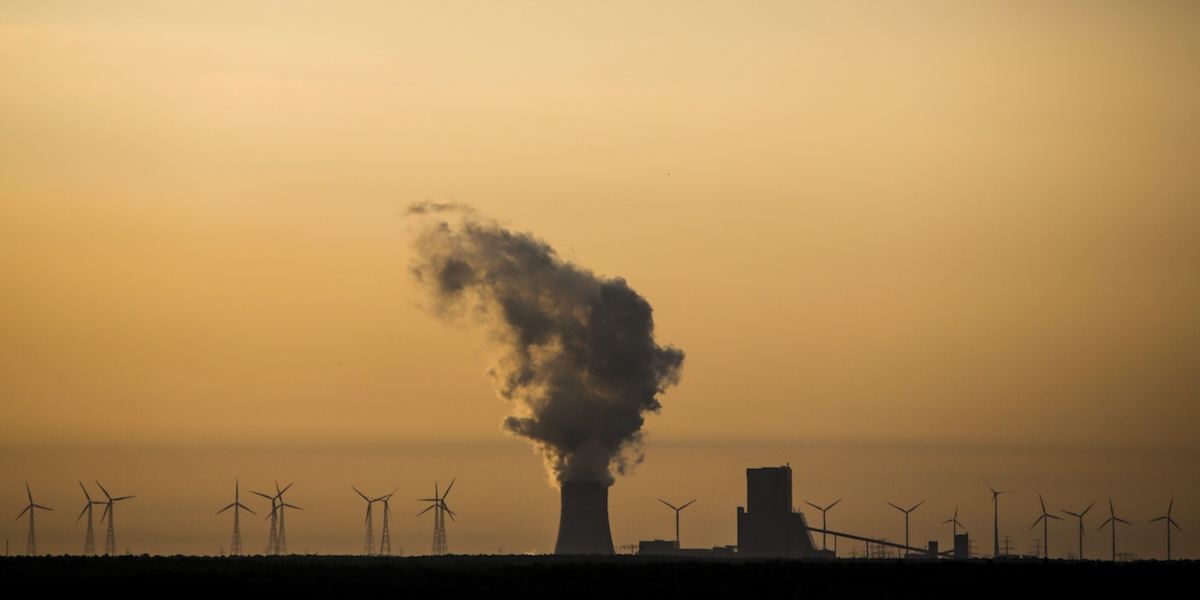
x=767, y=525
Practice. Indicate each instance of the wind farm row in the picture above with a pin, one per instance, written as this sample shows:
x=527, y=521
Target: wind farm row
x=274, y=516
x=277, y=538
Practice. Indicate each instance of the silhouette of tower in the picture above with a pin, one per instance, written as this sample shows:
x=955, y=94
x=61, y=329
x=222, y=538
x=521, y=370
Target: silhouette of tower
x=235, y=548
x=824, y=528
x=1112, y=521
x=583, y=519
x=110, y=539
x=89, y=542
x=995, y=520
x=385, y=538
x=1045, y=521
x=906, y=513
x=281, y=541
x=31, y=543
x=273, y=536
x=1079, y=516
x=767, y=525
x=369, y=541
x=1170, y=522
x=677, y=511
x=440, y=510
x=954, y=524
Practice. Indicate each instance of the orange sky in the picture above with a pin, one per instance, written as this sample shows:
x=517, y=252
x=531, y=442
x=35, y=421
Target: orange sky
x=905, y=248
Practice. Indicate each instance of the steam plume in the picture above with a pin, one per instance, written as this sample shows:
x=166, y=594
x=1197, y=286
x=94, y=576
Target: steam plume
x=576, y=352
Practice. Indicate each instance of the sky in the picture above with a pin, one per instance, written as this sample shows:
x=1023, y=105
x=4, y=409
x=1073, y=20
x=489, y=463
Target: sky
x=911, y=249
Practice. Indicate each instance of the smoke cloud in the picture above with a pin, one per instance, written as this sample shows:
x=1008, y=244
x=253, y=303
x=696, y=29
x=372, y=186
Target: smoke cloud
x=575, y=352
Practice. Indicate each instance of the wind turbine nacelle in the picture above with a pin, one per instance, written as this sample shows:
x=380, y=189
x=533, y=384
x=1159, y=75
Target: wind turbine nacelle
x=583, y=523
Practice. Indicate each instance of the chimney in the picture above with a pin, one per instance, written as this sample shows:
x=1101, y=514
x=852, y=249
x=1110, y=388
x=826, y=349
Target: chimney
x=583, y=523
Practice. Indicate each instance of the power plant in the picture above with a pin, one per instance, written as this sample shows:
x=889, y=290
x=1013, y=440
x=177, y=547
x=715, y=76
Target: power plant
x=583, y=522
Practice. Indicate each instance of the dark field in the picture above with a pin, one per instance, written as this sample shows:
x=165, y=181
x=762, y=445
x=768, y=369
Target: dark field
x=576, y=577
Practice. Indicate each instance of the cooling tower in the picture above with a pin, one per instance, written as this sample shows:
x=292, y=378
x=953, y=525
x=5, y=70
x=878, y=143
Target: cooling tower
x=583, y=523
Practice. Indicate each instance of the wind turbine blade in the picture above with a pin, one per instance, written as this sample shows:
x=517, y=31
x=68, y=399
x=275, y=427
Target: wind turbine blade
x=834, y=504
x=806, y=502
x=688, y=504
x=895, y=507
x=1087, y=509
x=85, y=509
x=226, y=508
x=1072, y=514
x=668, y=504
x=364, y=496
x=85, y=494
x=103, y=490
x=1043, y=503
x=427, y=509
x=272, y=498
x=28, y=492
x=447, y=492
x=1156, y=519
x=286, y=488
x=915, y=507
x=1039, y=520
x=246, y=508
x=27, y=509
x=1057, y=518
x=1120, y=520
x=123, y=498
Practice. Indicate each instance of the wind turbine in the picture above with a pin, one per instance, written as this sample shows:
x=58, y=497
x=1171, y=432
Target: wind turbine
x=906, y=547
x=89, y=542
x=439, y=521
x=110, y=540
x=1114, y=520
x=1170, y=522
x=281, y=541
x=995, y=520
x=31, y=544
x=385, y=539
x=677, y=510
x=954, y=524
x=273, y=539
x=1045, y=521
x=823, y=527
x=1080, y=517
x=369, y=541
x=235, y=549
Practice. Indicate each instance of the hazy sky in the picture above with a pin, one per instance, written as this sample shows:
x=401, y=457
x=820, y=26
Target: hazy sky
x=906, y=247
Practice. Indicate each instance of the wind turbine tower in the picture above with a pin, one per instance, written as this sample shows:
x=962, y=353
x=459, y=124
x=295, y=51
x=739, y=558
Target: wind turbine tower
x=906, y=512
x=439, y=520
x=385, y=539
x=369, y=541
x=1045, y=521
x=31, y=544
x=823, y=522
x=273, y=538
x=677, y=511
x=1170, y=522
x=281, y=541
x=995, y=520
x=1113, y=519
x=1080, y=517
x=235, y=548
x=89, y=542
x=110, y=540
x=954, y=524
